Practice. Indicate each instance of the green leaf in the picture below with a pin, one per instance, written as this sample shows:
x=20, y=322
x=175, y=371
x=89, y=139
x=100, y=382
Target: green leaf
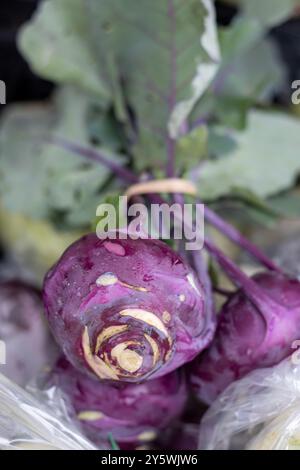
x=220, y=142
x=250, y=72
x=58, y=45
x=104, y=130
x=254, y=75
x=20, y=169
x=166, y=53
x=287, y=204
x=251, y=215
x=232, y=111
x=265, y=160
x=191, y=149
x=237, y=38
x=251, y=199
x=58, y=185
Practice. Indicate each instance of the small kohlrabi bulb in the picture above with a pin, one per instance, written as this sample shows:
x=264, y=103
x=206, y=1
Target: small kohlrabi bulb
x=126, y=310
x=26, y=345
x=133, y=414
x=258, y=327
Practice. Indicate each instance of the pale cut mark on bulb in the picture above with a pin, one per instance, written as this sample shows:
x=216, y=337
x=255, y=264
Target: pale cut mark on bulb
x=147, y=436
x=129, y=286
x=154, y=348
x=107, y=333
x=147, y=317
x=110, y=279
x=99, y=367
x=107, y=279
x=182, y=297
x=90, y=415
x=116, y=369
x=166, y=316
x=128, y=360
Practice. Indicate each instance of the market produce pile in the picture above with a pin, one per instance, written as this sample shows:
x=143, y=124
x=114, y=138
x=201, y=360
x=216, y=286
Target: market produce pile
x=143, y=337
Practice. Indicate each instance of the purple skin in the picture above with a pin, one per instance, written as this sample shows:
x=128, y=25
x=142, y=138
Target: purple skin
x=29, y=346
x=126, y=309
x=251, y=334
x=132, y=414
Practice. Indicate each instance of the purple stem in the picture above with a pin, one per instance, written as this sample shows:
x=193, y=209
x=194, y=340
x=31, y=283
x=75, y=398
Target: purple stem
x=259, y=298
x=251, y=288
x=171, y=144
x=127, y=175
x=234, y=235
x=200, y=266
x=95, y=156
x=171, y=157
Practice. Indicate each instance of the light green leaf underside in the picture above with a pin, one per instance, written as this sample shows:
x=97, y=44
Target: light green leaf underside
x=265, y=159
x=58, y=45
x=43, y=180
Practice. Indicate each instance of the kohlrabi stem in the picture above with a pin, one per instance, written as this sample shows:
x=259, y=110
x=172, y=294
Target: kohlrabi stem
x=259, y=298
x=95, y=156
x=170, y=172
x=235, y=236
x=128, y=176
x=200, y=266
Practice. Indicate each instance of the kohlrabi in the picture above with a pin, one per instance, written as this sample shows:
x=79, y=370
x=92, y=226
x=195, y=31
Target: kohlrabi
x=126, y=310
x=23, y=331
x=133, y=414
x=258, y=327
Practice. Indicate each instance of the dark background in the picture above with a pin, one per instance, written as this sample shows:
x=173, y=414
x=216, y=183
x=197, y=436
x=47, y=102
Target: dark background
x=22, y=85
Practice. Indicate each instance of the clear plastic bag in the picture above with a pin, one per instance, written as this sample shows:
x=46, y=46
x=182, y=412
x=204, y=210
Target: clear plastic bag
x=260, y=411
x=28, y=422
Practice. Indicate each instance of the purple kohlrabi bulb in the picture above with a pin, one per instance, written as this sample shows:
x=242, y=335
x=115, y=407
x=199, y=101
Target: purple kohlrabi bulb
x=26, y=346
x=133, y=414
x=252, y=333
x=126, y=310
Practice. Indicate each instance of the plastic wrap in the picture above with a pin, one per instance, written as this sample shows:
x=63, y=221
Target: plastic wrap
x=27, y=422
x=260, y=411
